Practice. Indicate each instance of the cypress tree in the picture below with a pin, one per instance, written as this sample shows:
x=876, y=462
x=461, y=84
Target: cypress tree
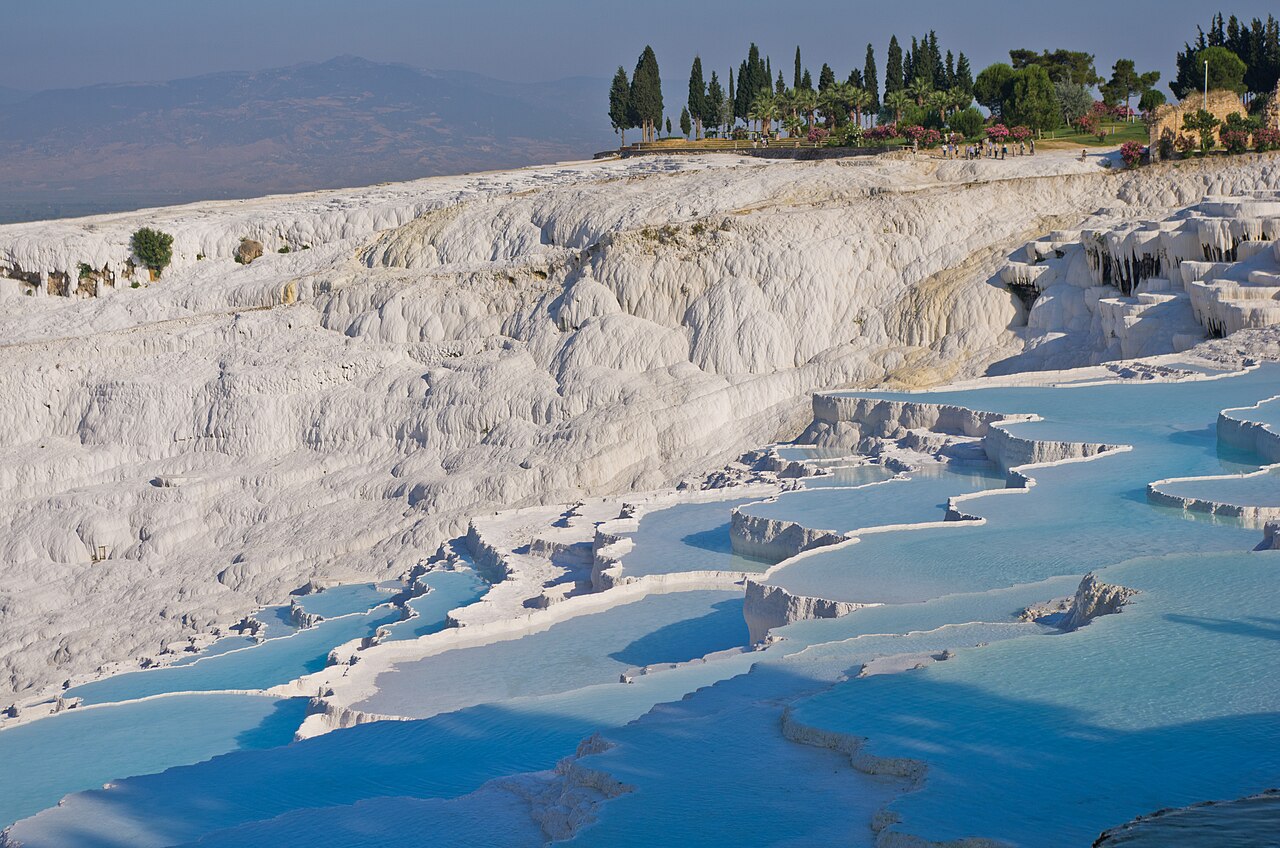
x=909, y=63
x=796, y=80
x=686, y=125
x=646, y=93
x=742, y=100
x=768, y=73
x=697, y=97
x=668, y=126
x=826, y=77
x=938, y=71
x=950, y=70
x=855, y=78
x=731, y=97
x=620, y=104
x=806, y=82
x=713, y=105
x=893, y=80
x=870, y=80
x=781, y=85
x=964, y=74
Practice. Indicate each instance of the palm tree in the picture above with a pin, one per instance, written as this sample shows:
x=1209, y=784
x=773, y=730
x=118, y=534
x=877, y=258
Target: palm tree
x=897, y=101
x=834, y=102
x=806, y=104
x=859, y=100
x=938, y=102
x=958, y=99
x=920, y=89
x=767, y=110
x=793, y=124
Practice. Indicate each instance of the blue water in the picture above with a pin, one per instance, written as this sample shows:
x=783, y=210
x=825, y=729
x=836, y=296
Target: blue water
x=849, y=475
x=1266, y=412
x=345, y=599
x=82, y=749
x=919, y=498
x=687, y=537
x=450, y=590
x=573, y=654
x=1254, y=490
x=261, y=666
x=1029, y=735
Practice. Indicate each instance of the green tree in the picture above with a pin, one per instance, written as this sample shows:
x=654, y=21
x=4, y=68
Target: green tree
x=826, y=78
x=1226, y=69
x=620, y=104
x=697, y=97
x=713, y=104
x=1073, y=99
x=1151, y=100
x=646, y=94
x=153, y=248
x=686, y=125
x=798, y=78
x=964, y=74
x=920, y=89
x=1032, y=100
x=780, y=86
x=806, y=82
x=897, y=102
x=968, y=122
x=991, y=88
x=1125, y=82
x=1204, y=123
x=668, y=127
x=1062, y=65
x=870, y=79
x=893, y=67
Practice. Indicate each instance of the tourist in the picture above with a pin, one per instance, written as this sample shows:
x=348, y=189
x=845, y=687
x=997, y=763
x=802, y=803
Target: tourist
x=1033, y=147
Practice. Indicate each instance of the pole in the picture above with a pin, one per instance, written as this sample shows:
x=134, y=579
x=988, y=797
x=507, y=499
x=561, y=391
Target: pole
x=1206, y=85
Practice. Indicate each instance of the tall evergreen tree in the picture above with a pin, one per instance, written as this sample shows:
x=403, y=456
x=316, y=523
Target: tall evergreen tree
x=686, y=125
x=893, y=67
x=1032, y=100
x=620, y=105
x=870, y=80
x=938, y=71
x=798, y=78
x=731, y=98
x=646, y=93
x=806, y=82
x=713, y=104
x=768, y=72
x=855, y=78
x=697, y=96
x=826, y=77
x=964, y=75
x=950, y=75
x=909, y=63
x=781, y=85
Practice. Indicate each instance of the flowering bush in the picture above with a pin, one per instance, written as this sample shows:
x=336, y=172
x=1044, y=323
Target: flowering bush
x=955, y=138
x=997, y=132
x=914, y=133
x=1020, y=133
x=1131, y=152
x=853, y=135
x=1267, y=139
x=1236, y=141
x=1088, y=122
x=931, y=138
x=1184, y=144
x=883, y=132
x=817, y=134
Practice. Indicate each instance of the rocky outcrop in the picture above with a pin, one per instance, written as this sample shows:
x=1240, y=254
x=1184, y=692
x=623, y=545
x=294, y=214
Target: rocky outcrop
x=774, y=540
x=1092, y=599
x=1009, y=451
x=767, y=607
x=247, y=251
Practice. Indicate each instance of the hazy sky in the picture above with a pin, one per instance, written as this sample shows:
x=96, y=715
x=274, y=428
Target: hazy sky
x=59, y=43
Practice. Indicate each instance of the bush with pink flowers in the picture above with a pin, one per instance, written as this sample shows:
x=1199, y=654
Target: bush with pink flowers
x=1020, y=133
x=913, y=133
x=818, y=134
x=997, y=132
x=883, y=132
x=930, y=138
x=1266, y=139
x=1132, y=152
x=1235, y=141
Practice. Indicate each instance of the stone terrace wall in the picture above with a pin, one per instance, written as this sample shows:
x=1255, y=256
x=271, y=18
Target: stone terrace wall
x=1221, y=103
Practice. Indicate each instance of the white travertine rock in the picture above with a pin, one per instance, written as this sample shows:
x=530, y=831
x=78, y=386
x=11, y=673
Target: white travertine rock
x=173, y=456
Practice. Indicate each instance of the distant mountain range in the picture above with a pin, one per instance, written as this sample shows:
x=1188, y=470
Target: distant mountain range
x=344, y=122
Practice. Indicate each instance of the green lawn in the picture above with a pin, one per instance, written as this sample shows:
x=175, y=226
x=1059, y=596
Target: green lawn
x=1120, y=133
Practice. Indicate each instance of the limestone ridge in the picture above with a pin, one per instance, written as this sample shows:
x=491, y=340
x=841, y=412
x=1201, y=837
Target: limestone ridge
x=183, y=452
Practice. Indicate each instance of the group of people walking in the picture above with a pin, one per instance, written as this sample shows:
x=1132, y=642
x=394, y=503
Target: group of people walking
x=988, y=149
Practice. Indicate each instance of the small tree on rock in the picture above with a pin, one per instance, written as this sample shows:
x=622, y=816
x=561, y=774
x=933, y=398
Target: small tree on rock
x=153, y=248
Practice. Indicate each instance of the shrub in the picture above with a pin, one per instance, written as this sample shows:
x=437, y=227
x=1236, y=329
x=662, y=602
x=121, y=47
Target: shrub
x=153, y=247
x=967, y=122
x=1131, y=152
x=84, y=270
x=883, y=132
x=1267, y=139
x=1235, y=141
x=1184, y=144
x=997, y=132
x=1203, y=123
x=818, y=134
x=1165, y=144
x=931, y=138
x=1089, y=123
x=914, y=133
x=1020, y=133
x=284, y=249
